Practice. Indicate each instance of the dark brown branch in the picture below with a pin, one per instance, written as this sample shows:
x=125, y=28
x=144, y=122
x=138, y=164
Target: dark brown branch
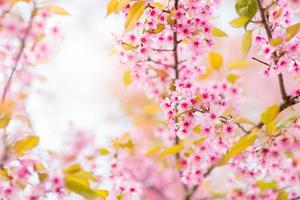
x=260, y=61
x=265, y=23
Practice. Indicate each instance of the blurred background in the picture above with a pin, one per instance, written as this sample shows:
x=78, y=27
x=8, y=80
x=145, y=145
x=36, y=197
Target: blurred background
x=82, y=84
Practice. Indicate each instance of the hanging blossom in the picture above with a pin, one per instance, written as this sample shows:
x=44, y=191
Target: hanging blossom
x=282, y=40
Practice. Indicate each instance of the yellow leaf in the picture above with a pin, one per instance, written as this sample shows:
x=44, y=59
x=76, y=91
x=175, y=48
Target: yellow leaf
x=292, y=31
x=16, y=1
x=134, y=14
x=161, y=73
x=232, y=78
x=218, y=32
x=4, y=120
x=80, y=187
x=263, y=185
x=158, y=5
x=151, y=109
x=282, y=195
x=215, y=60
x=243, y=143
x=246, y=42
x=271, y=128
x=4, y=174
x=197, y=129
x=121, y=5
x=25, y=144
x=241, y=120
x=238, y=64
x=73, y=169
x=127, y=78
x=112, y=7
x=208, y=73
x=102, y=193
x=42, y=176
x=275, y=41
x=159, y=28
x=153, y=151
x=57, y=10
x=199, y=141
x=269, y=114
x=239, y=22
x=128, y=47
x=172, y=150
x=103, y=151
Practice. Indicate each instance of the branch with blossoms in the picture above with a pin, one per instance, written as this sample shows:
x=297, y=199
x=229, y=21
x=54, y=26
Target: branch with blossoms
x=202, y=116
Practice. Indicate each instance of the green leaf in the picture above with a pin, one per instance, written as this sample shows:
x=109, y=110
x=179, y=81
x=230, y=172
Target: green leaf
x=246, y=8
x=239, y=22
x=218, y=32
x=243, y=143
x=134, y=14
x=292, y=31
x=286, y=122
x=269, y=114
x=25, y=144
x=246, y=42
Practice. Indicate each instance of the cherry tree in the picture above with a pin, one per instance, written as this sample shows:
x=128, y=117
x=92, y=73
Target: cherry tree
x=203, y=140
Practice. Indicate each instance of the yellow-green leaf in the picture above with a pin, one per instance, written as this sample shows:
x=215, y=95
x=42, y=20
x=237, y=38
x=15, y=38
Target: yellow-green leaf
x=282, y=195
x=246, y=42
x=58, y=10
x=292, y=31
x=172, y=150
x=127, y=78
x=232, y=78
x=215, y=60
x=25, y=144
x=4, y=120
x=239, y=22
x=263, y=185
x=243, y=143
x=269, y=114
x=103, y=151
x=218, y=32
x=134, y=14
